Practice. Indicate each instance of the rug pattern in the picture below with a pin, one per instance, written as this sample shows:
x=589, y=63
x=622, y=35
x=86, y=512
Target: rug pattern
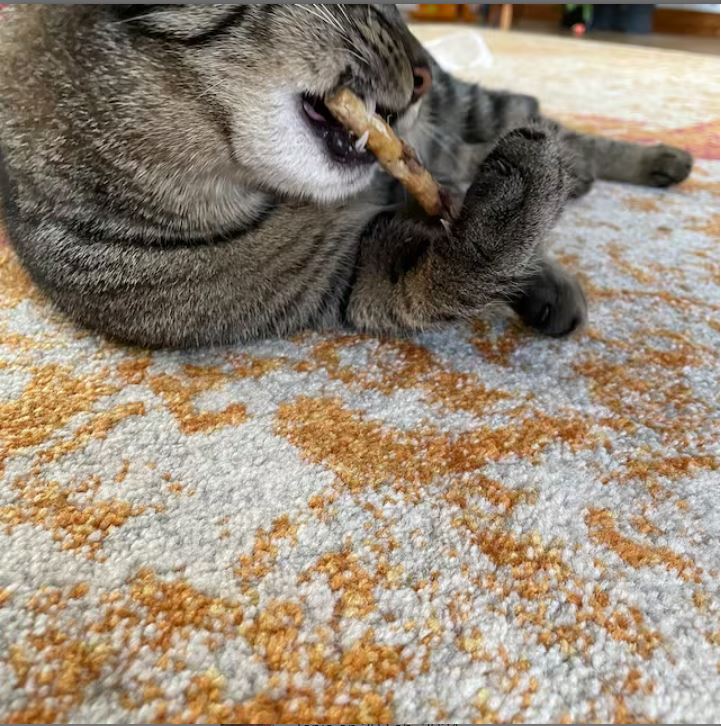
x=472, y=525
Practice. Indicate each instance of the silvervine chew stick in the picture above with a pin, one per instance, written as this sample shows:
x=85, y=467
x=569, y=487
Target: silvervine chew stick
x=393, y=154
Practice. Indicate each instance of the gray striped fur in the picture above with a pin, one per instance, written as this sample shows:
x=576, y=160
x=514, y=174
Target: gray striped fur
x=160, y=185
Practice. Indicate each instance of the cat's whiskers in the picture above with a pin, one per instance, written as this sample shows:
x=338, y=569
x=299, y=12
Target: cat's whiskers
x=435, y=117
x=434, y=135
x=307, y=9
x=210, y=88
x=320, y=12
x=323, y=14
x=345, y=13
x=152, y=14
x=357, y=55
x=333, y=20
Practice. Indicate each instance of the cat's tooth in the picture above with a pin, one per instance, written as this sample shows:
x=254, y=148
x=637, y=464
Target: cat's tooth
x=360, y=145
x=371, y=106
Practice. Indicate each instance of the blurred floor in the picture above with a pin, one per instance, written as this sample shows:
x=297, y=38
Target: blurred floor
x=533, y=19
x=689, y=43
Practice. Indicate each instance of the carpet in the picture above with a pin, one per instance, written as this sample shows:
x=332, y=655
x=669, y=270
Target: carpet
x=472, y=525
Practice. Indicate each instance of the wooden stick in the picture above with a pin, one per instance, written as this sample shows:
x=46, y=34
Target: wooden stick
x=393, y=154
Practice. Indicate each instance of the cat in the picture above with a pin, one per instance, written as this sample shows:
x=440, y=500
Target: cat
x=172, y=178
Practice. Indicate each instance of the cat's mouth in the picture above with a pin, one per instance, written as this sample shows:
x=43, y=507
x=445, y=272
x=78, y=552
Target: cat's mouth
x=342, y=145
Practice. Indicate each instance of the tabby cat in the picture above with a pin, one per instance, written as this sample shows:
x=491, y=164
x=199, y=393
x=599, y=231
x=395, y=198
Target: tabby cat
x=172, y=177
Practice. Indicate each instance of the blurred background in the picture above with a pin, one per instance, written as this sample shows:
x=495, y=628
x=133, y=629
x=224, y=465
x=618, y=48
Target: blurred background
x=686, y=27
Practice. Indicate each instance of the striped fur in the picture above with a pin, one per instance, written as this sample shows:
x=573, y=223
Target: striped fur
x=161, y=186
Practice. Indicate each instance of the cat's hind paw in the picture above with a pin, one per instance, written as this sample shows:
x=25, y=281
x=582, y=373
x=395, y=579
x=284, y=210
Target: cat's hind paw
x=666, y=165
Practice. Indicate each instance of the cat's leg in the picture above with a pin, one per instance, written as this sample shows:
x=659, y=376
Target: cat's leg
x=461, y=122
x=411, y=274
x=466, y=112
x=656, y=166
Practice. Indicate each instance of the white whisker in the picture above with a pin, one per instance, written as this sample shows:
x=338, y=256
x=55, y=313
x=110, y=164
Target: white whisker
x=345, y=13
x=435, y=135
x=457, y=137
x=308, y=9
x=211, y=87
x=331, y=19
x=152, y=14
x=358, y=56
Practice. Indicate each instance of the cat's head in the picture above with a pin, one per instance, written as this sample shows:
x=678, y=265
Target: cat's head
x=265, y=70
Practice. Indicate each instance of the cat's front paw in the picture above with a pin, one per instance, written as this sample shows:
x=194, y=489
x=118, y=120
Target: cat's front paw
x=516, y=196
x=665, y=165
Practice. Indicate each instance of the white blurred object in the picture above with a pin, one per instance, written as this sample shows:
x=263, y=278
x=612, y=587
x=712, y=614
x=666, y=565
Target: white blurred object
x=460, y=51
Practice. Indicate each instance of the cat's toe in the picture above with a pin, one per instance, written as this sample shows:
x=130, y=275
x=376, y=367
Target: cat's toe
x=667, y=165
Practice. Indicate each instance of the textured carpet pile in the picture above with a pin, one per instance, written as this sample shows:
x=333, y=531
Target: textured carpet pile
x=472, y=525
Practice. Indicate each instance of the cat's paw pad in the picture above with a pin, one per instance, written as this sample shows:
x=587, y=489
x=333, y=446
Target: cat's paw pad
x=666, y=165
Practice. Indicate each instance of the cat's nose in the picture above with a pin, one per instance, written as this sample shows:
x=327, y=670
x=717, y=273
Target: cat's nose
x=422, y=82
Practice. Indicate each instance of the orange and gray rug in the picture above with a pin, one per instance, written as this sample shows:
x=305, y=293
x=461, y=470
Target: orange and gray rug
x=474, y=525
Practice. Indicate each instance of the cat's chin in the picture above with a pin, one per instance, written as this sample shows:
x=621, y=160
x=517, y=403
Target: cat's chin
x=339, y=184
x=315, y=177
x=296, y=155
